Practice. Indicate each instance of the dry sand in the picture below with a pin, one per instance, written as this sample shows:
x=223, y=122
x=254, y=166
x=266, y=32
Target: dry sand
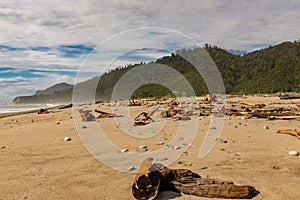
x=36, y=162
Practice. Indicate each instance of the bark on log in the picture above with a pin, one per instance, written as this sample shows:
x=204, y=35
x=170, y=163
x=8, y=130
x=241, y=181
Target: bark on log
x=188, y=182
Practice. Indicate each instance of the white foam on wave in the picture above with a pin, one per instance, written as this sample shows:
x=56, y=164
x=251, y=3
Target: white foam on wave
x=11, y=108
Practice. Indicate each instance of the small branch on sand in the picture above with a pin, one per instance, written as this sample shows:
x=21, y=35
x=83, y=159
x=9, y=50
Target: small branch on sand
x=106, y=114
x=291, y=132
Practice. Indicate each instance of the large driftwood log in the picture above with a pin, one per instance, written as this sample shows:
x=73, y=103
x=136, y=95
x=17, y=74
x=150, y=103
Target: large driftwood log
x=289, y=96
x=154, y=178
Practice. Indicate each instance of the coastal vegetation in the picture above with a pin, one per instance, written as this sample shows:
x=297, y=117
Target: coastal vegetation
x=270, y=70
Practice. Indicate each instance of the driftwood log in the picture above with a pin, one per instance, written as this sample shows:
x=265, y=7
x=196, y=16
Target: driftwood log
x=257, y=111
x=257, y=105
x=142, y=119
x=43, y=111
x=104, y=114
x=154, y=178
x=86, y=115
x=65, y=106
x=289, y=96
x=291, y=132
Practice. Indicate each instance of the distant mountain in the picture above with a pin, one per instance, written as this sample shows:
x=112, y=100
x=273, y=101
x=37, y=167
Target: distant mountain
x=54, y=89
x=58, y=93
x=269, y=70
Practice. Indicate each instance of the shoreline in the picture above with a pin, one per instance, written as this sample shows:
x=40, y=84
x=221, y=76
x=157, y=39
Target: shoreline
x=35, y=110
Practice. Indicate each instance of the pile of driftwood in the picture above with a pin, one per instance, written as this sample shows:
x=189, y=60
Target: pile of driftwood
x=154, y=178
x=249, y=110
x=173, y=110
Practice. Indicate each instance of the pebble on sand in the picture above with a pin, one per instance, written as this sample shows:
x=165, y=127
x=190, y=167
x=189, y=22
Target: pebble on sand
x=163, y=159
x=176, y=148
x=293, y=153
x=266, y=127
x=124, y=150
x=142, y=149
x=67, y=139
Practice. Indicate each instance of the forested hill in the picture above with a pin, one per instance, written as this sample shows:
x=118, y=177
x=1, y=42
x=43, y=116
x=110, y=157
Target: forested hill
x=270, y=70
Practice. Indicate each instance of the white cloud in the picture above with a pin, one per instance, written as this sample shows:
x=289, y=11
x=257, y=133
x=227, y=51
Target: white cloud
x=230, y=24
x=64, y=78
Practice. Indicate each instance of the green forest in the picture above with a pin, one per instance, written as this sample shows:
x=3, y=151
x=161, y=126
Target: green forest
x=270, y=70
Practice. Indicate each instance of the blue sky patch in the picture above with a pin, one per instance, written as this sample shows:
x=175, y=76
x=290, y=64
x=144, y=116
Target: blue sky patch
x=75, y=50
x=2, y=69
x=8, y=72
x=10, y=48
x=40, y=48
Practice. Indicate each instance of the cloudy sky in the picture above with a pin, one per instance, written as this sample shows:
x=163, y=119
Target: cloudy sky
x=43, y=42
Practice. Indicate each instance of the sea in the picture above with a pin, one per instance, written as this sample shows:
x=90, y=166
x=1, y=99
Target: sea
x=11, y=108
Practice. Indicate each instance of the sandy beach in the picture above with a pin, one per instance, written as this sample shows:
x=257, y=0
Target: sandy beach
x=36, y=162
